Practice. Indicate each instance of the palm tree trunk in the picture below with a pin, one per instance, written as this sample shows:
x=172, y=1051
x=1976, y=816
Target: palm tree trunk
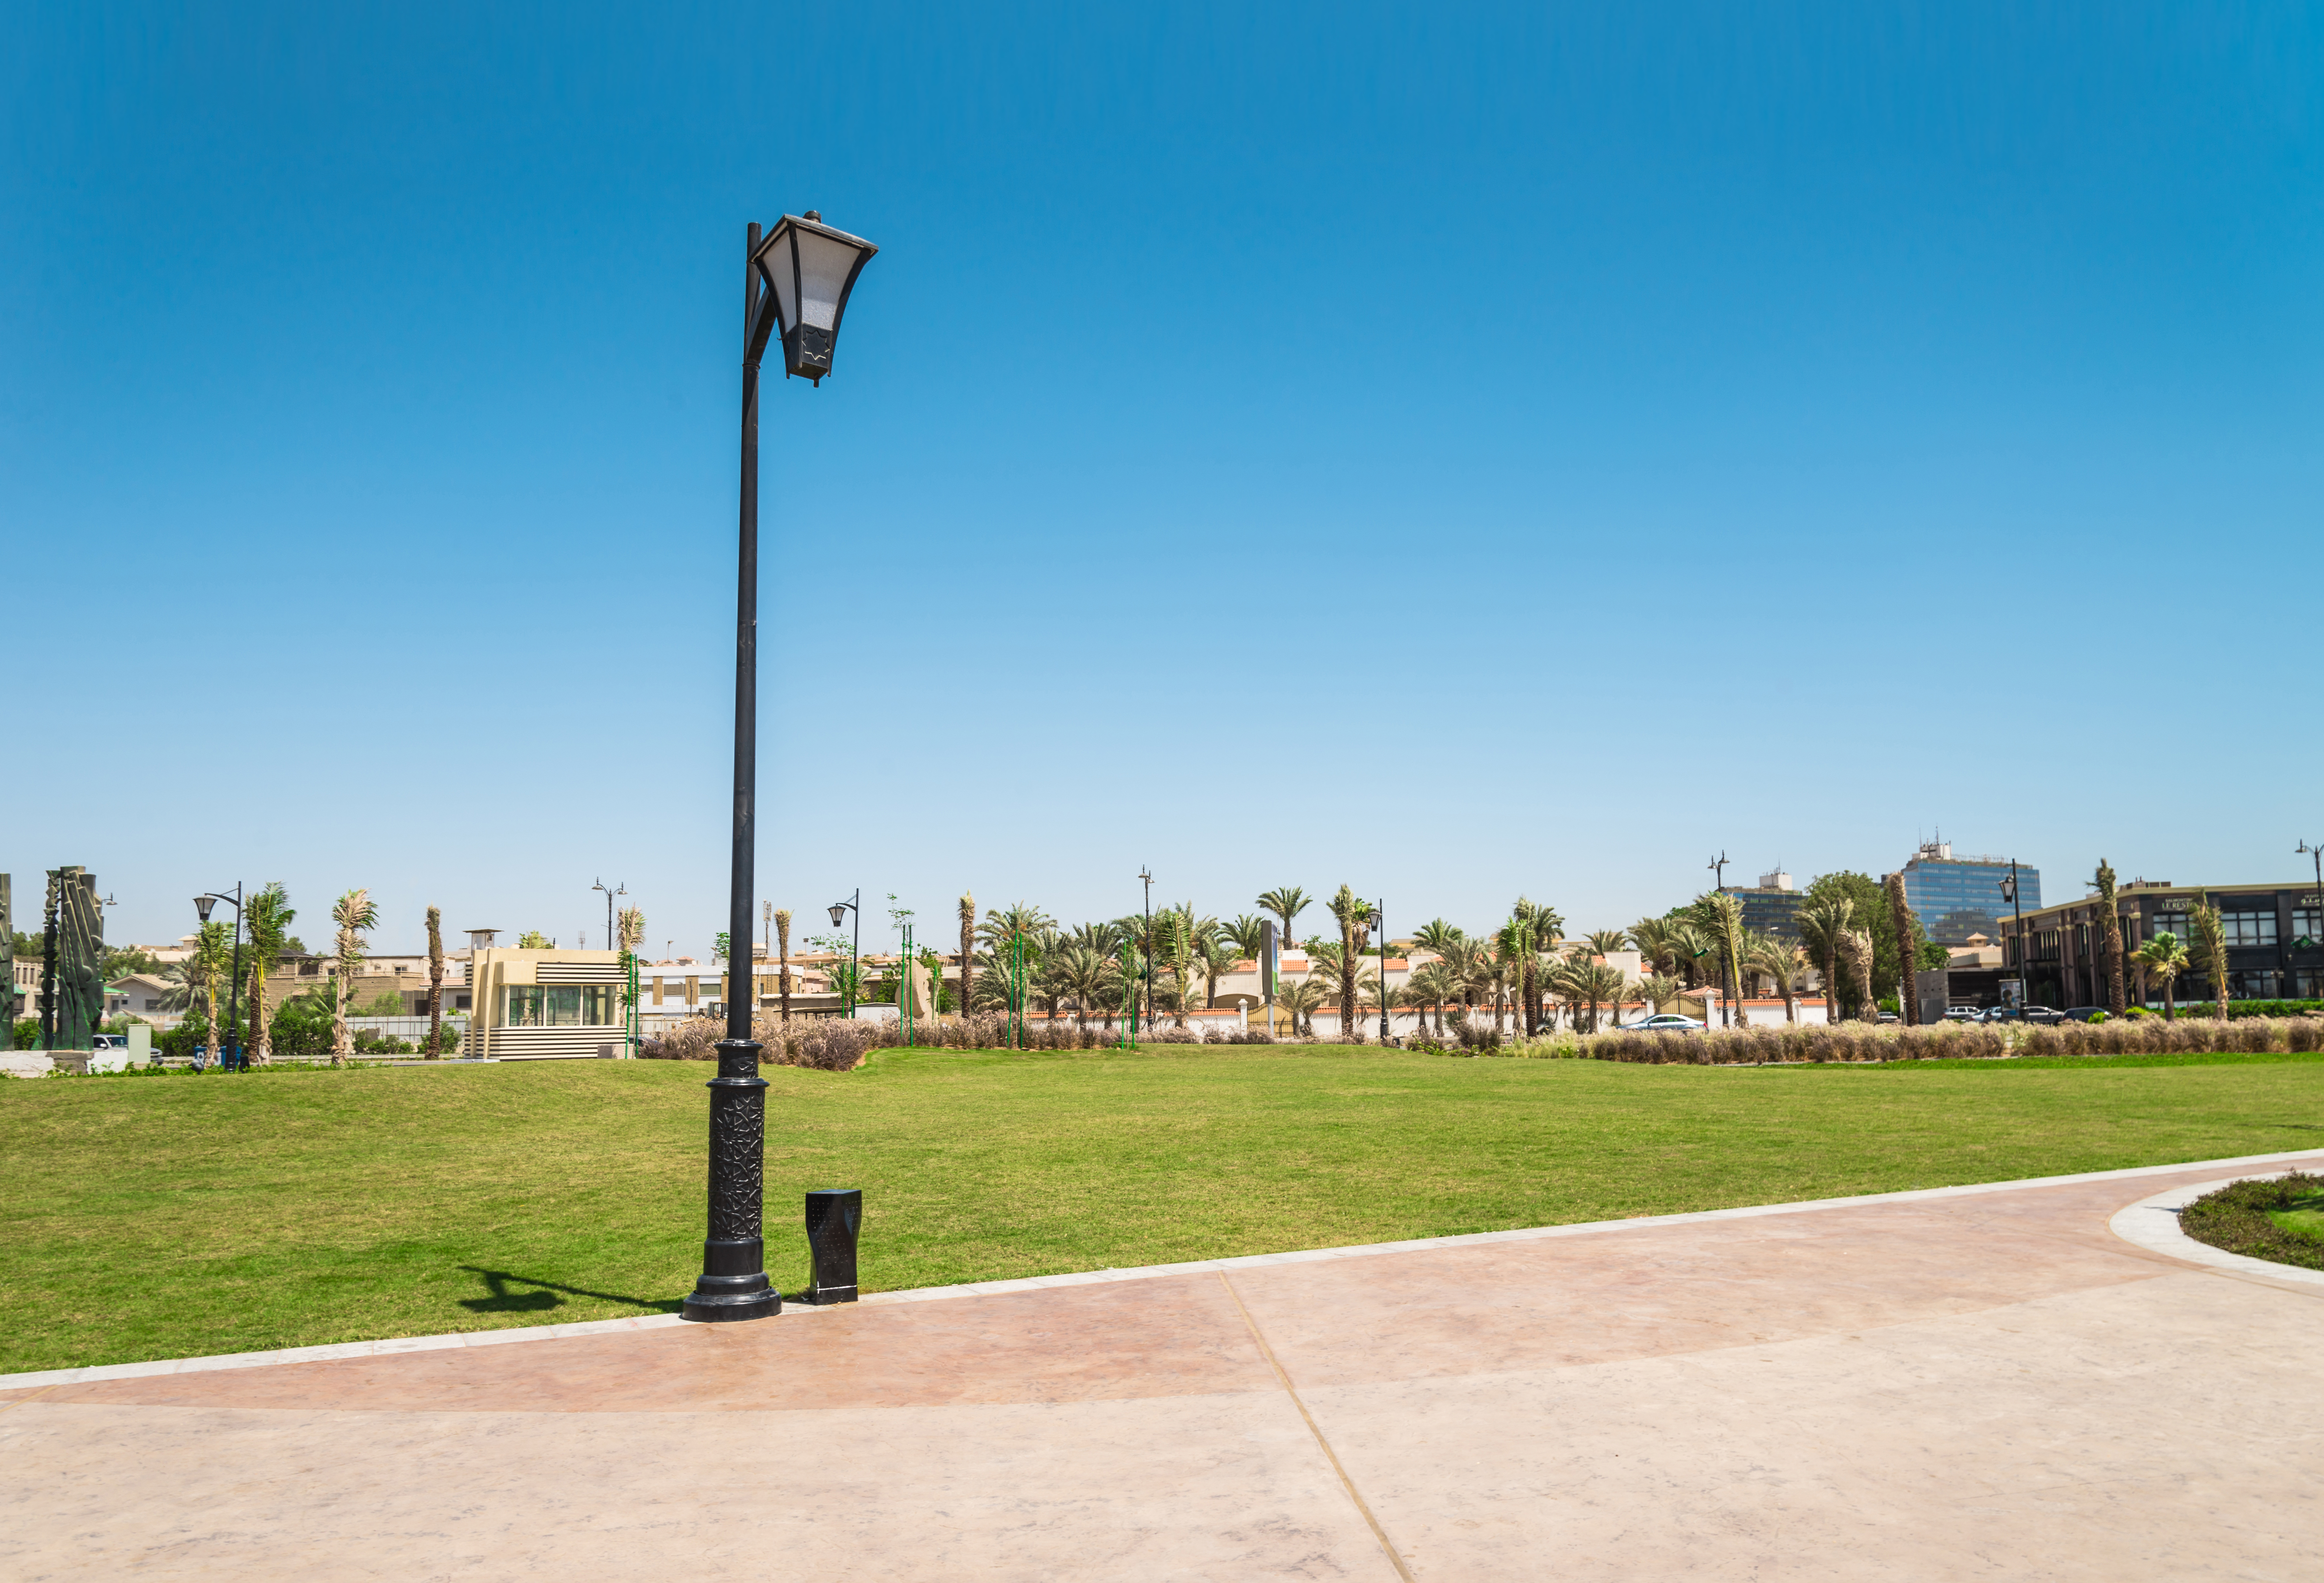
x=967, y=950
x=783, y=962
x=259, y=1052
x=436, y=984
x=1908, y=1005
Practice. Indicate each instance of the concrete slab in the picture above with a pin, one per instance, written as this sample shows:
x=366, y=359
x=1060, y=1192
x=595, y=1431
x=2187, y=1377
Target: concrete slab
x=1969, y=1384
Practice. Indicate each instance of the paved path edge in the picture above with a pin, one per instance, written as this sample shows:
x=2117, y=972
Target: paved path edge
x=497, y=1337
x=2152, y=1224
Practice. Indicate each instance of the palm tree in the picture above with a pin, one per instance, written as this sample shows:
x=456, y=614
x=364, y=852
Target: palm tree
x=967, y=949
x=1436, y=937
x=1085, y=974
x=1658, y=991
x=1337, y=980
x=782, y=955
x=1856, y=952
x=1689, y=944
x=1023, y=921
x=1821, y=922
x=1607, y=941
x=270, y=917
x=436, y=982
x=2110, y=937
x=1513, y=950
x=1432, y=985
x=1217, y=957
x=1900, y=910
x=1302, y=1001
x=2164, y=958
x=355, y=917
x=1721, y=915
x=1351, y=912
x=1780, y=960
x=1652, y=936
x=1287, y=902
x=1248, y=933
x=2203, y=921
x=1606, y=983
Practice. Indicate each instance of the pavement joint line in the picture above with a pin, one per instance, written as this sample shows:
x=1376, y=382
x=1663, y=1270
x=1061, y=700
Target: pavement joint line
x=2153, y=1223
x=495, y=1338
x=1362, y=1507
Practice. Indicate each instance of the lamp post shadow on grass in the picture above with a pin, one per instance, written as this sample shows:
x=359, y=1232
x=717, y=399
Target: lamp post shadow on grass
x=545, y=1295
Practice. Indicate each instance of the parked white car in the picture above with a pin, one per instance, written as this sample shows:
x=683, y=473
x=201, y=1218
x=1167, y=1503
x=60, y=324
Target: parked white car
x=1666, y=1022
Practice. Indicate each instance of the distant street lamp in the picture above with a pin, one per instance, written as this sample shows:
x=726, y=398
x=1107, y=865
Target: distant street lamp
x=2311, y=849
x=2009, y=895
x=623, y=889
x=839, y=911
x=1146, y=945
x=797, y=279
x=1378, y=913
x=232, y=1060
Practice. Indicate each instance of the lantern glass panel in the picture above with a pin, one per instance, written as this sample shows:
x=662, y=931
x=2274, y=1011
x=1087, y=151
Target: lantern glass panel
x=824, y=264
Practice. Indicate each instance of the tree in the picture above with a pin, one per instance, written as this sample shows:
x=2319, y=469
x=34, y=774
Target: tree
x=1607, y=984
x=124, y=961
x=1658, y=991
x=1719, y=915
x=1436, y=937
x=2164, y=958
x=435, y=982
x=1652, y=936
x=1350, y=911
x=1874, y=916
x=967, y=947
x=783, y=960
x=1513, y=950
x=355, y=917
x=1433, y=985
x=1607, y=941
x=1218, y=956
x=212, y=958
x=1901, y=919
x=2110, y=938
x=1821, y=922
x=1085, y=974
x=2210, y=931
x=270, y=915
x=1780, y=960
x=1344, y=978
x=534, y=940
x=1287, y=902
x=1300, y=1000
x=1246, y=933
x=1857, y=951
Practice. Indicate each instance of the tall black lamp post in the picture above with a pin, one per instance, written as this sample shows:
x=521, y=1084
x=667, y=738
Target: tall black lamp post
x=795, y=282
x=1147, y=944
x=1377, y=914
x=839, y=911
x=232, y=1060
x=2024, y=975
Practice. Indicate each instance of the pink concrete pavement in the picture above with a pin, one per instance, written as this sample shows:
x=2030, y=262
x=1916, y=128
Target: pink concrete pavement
x=1981, y=1386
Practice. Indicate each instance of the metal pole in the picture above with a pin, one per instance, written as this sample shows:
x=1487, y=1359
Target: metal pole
x=1382, y=907
x=1148, y=944
x=856, y=953
x=234, y=991
x=733, y=1283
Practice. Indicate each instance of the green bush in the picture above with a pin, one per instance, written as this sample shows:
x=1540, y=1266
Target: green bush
x=2237, y=1008
x=2235, y=1218
x=26, y=1033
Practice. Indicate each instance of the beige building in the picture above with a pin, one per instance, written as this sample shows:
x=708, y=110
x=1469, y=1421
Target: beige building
x=552, y=1005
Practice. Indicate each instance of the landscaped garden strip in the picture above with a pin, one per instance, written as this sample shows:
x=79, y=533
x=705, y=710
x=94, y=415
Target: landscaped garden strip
x=2249, y=1218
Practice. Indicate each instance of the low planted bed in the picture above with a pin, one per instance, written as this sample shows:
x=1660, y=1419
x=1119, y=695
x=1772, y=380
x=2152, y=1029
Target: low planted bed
x=2281, y=1219
x=1855, y=1042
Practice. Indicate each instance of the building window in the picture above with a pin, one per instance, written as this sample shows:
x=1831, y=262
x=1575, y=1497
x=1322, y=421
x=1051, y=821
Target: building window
x=2256, y=984
x=560, y=1005
x=2249, y=928
x=2308, y=924
x=2307, y=984
x=460, y=1003
x=2173, y=923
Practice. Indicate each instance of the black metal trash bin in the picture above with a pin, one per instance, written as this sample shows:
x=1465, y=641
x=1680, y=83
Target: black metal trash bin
x=835, y=1214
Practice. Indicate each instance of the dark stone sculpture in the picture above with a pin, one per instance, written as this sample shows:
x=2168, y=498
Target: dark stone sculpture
x=75, y=998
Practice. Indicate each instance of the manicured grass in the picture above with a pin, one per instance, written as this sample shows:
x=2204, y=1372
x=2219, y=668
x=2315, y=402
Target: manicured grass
x=172, y=1217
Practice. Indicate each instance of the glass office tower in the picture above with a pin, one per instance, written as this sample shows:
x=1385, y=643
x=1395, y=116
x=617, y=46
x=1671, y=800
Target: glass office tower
x=1955, y=898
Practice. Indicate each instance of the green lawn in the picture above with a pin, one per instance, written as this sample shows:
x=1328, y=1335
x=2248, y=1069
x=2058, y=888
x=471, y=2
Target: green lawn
x=172, y=1217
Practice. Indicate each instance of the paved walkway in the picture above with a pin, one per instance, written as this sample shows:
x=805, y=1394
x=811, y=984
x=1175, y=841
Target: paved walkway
x=1955, y=1384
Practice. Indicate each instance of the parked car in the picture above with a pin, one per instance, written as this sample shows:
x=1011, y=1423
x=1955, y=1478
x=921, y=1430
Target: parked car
x=1890, y=1017
x=2082, y=1013
x=2001, y=1013
x=1666, y=1022
x=108, y=1041
x=2044, y=1014
x=1960, y=1014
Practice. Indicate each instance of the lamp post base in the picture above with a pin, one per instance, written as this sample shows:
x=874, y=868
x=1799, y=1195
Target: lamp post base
x=711, y=1308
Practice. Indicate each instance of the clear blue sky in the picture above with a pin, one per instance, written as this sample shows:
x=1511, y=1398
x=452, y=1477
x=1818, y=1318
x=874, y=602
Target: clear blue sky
x=1458, y=451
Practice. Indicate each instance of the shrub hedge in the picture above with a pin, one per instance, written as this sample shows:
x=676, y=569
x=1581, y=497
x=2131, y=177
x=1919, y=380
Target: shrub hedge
x=836, y=1043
